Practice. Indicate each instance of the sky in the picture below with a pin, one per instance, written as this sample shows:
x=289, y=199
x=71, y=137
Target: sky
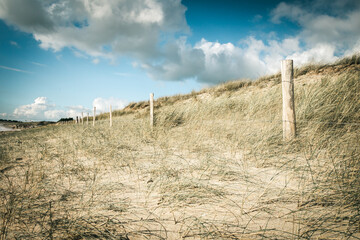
x=59, y=58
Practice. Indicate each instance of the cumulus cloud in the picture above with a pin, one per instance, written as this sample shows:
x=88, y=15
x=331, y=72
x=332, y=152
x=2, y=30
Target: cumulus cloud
x=321, y=53
x=35, y=109
x=54, y=114
x=104, y=28
x=179, y=61
x=228, y=62
x=43, y=109
x=103, y=104
x=327, y=31
x=339, y=27
x=214, y=62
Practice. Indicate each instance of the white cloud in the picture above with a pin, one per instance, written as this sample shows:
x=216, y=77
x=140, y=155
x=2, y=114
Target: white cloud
x=94, y=26
x=322, y=38
x=285, y=10
x=339, y=26
x=3, y=114
x=103, y=104
x=42, y=109
x=321, y=53
x=179, y=61
x=34, y=109
x=213, y=62
x=54, y=114
x=227, y=62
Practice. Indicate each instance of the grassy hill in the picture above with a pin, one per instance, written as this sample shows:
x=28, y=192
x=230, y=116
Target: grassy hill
x=213, y=167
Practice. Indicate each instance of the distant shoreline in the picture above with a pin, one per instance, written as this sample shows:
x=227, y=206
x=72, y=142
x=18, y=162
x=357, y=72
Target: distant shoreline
x=8, y=125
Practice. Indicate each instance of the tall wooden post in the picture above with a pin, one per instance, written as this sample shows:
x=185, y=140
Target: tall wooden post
x=287, y=81
x=87, y=119
x=82, y=118
x=94, y=116
x=151, y=109
x=110, y=116
x=77, y=119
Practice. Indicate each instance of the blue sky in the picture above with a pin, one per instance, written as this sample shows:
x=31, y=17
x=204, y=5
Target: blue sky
x=59, y=58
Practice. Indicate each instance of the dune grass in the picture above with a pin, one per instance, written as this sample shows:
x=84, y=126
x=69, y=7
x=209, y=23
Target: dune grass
x=213, y=167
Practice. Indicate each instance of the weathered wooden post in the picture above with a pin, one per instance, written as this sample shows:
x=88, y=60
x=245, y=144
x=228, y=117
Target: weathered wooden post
x=77, y=119
x=94, y=116
x=151, y=109
x=87, y=119
x=287, y=81
x=82, y=118
x=110, y=116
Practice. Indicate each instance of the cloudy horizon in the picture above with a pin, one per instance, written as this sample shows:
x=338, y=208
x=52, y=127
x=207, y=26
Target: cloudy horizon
x=86, y=53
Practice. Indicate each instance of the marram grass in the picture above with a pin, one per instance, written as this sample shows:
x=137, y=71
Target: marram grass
x=213, y=167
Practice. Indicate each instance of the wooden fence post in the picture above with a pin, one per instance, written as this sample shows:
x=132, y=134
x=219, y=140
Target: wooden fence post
x=82, y=118
x=94, y=116
x=87, y=119
x=110, y=116
x=151, y=109
x=287, y=81
x=77, y=119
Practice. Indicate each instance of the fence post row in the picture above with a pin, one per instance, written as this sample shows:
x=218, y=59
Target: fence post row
x=151, y=109
x=110, y=116
x=287, y=82
x=288, y=117
x=94, y=116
